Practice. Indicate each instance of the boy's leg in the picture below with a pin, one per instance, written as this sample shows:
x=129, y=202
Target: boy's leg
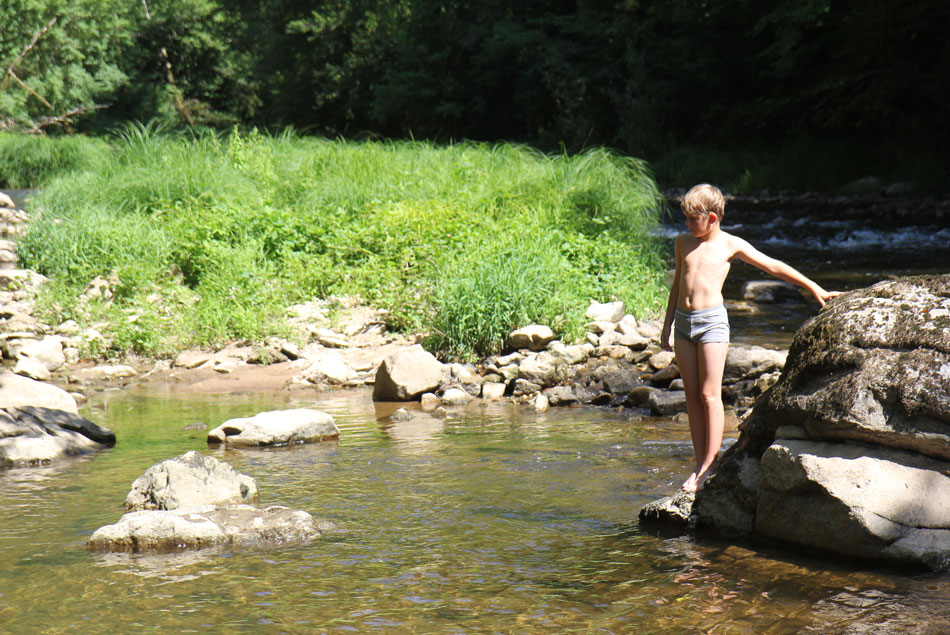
x=711, y=363
x=687, y=361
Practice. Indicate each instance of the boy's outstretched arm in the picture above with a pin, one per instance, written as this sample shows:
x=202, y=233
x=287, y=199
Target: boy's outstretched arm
x=749, y=254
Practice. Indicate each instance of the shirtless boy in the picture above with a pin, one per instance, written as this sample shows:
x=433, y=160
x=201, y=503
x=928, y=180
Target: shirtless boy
x=698, y=319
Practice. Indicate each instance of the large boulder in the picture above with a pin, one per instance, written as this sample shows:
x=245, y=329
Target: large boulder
x=406, y=374
x=278, y=427
x=849, y=452
x=205, y=526
x=190, y=480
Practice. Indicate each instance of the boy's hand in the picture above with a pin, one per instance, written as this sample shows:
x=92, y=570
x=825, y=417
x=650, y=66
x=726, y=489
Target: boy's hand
x=823, y=296
x=665, y=340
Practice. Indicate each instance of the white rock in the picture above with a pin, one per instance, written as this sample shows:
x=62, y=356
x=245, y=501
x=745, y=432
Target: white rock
x=534, y=337
x=606, y=312
x=32, y=368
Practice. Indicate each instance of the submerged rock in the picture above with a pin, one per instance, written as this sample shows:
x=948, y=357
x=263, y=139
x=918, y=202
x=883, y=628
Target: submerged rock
x=278, y=427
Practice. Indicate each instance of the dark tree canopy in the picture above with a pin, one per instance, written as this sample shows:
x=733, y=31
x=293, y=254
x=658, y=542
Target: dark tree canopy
x=635, y=75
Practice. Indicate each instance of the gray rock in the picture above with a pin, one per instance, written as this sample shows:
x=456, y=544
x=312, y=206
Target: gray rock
x=560, y=395
x=524, y=387
x=493, y=390
x=105, y=373
x=203, y=527
x=330, y=369
x=665, y=403
x=279, y=427
x=853, y=437
x=640, y=396
x=16, y=391
x=31, y=435
x=191, y=359
x=48, y=351
x=190, y=480
x=660, y=360
x=621, y=381
x=543, y=369
x=874, y=367
x=406, y=374
x=32, y=368
x=456, y=397
x=745, y=362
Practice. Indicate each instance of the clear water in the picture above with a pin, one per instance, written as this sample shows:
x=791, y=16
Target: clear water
x=494, y=520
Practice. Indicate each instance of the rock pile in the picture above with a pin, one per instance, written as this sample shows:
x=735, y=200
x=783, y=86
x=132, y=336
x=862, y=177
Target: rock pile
x=621, y=363
x=196, y=502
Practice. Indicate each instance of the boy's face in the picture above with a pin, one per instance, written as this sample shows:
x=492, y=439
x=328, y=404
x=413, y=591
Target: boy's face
x=700, y=224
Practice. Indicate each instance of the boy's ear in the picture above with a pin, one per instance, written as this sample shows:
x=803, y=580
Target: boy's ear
x=713, y=218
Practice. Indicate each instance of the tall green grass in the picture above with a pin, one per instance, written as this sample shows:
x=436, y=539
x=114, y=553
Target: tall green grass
x=465, y=241
x=28, y=162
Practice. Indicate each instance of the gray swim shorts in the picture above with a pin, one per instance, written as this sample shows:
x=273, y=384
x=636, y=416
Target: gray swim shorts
x=703, y=326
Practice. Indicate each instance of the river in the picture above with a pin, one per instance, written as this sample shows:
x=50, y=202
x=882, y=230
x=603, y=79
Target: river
x=493, y=520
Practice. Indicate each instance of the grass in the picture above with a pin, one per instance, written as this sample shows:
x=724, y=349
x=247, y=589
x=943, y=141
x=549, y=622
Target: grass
x=212, y=237
x=28, y=162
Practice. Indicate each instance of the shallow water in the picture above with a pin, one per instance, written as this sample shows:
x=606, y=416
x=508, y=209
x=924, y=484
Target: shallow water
x=493, y=520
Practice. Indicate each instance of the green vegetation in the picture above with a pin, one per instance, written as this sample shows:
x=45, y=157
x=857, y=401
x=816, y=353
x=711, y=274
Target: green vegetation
x=211, y=238
x=28, y=162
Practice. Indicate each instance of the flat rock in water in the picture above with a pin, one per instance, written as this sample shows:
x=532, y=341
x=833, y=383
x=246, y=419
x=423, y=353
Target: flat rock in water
x=279, y=427
x=203, y=527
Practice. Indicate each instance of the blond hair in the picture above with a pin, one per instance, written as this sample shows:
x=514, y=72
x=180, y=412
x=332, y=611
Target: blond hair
x=703, y=199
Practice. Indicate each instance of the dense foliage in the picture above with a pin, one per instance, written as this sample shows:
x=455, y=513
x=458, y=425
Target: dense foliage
x=650, y=78
x=210, y=238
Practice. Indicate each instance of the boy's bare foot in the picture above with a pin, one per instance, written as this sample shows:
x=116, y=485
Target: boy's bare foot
x=689, y=485
x=703, y=475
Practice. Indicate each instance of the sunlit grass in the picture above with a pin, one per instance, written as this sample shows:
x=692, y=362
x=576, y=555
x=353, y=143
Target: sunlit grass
x=465, y=241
